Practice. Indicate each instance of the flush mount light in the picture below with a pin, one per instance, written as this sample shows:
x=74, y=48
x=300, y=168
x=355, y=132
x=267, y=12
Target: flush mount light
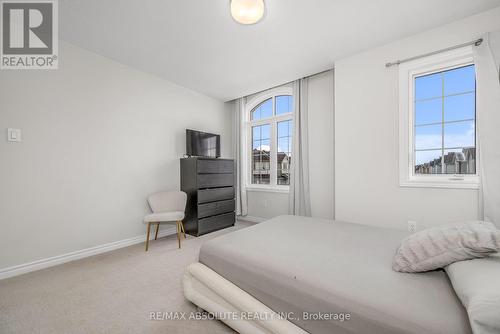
x=247, y=11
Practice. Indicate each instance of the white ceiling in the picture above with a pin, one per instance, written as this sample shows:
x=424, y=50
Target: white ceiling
x=196, y=44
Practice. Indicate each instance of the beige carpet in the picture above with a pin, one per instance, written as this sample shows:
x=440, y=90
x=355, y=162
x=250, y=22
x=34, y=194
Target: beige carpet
x=108, y=293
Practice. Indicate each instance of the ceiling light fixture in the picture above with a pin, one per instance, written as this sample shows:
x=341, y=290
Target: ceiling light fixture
x=247, y=11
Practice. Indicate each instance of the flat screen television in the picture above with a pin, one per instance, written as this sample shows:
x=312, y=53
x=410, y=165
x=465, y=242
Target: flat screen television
x=202, y=144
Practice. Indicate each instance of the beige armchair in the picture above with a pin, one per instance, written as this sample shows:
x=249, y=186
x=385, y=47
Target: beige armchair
x=167, y=206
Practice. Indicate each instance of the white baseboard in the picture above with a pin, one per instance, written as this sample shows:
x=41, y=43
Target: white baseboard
x=252, y=219
x=80, y=254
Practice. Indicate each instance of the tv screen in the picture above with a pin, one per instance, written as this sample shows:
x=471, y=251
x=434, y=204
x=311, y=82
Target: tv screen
x=202, y=144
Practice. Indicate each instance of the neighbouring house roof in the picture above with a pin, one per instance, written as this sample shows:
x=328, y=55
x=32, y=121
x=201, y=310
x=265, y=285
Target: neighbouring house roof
x=265, y=155
x=470, y=153
x=453, y=157
x=467, y=154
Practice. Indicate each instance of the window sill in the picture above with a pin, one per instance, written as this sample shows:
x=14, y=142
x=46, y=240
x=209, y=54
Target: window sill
x=270, y=189
x=441, y=182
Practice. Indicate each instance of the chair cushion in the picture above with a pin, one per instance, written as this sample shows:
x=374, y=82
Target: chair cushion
x=167, y=201
x=164, y=217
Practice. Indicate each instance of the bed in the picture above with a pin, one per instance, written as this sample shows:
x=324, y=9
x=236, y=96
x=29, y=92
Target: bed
x=293, y=267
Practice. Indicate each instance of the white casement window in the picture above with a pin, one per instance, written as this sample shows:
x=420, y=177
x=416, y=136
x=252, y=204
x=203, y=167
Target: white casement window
x=438, y=121
x=269, y=118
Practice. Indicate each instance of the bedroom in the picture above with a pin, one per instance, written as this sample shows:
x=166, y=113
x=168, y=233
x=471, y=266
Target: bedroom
x=312, y=121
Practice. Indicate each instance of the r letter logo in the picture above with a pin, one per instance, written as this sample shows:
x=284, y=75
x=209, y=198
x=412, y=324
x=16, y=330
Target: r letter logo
x=29, y=38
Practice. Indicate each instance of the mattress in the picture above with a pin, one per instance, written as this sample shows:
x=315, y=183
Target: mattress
x=317, y=271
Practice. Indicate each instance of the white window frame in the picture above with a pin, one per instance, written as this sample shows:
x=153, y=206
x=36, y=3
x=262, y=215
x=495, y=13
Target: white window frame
x=251, y=103
x=407, y=73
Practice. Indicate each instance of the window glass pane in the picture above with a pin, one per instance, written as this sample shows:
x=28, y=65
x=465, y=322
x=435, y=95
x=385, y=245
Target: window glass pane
x=265, y=132
x=283, y=144
x=460, y=107
x=456, y=135
x=265, y=146
x=283, y=171
x=428, y=137
x=284, y=129
x=428, y=86
x=261, y=151
x=261, y=132
x=256, y=133
x=460, y=161
x=429, y=111
x=459, y=80
x=263, y=110
x=428, y=162
x=461, y=134
x=283, y=104
x=284, y=152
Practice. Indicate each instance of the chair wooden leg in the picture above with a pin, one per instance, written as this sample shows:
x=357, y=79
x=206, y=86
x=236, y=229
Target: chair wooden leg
x=147, y=236
x=178, y=228
x=157, y=228
x=182, y=229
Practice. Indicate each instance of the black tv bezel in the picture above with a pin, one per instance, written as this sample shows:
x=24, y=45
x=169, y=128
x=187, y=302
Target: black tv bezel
x=189, y=154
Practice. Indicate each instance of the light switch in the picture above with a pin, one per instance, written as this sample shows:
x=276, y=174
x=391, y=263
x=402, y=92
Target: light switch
x=14, y=135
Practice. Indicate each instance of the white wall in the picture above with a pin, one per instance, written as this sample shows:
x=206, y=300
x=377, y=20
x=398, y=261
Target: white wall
x=262, y=204
x=321, y=162
x=98, y=137
x=366, y=140
x=495, y=46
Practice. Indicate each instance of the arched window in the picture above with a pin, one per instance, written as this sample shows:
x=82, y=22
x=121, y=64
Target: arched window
x=270, y=117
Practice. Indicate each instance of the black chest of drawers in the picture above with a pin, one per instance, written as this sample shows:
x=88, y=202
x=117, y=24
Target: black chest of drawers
x=210, y=188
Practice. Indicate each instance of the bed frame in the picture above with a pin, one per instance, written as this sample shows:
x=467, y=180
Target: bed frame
x=213, y=293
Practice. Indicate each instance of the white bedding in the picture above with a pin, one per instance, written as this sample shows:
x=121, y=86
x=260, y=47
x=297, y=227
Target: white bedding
x=303, y=265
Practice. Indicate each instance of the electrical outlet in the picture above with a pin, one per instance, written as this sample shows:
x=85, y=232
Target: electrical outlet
x=14, y=135
x=412, y=226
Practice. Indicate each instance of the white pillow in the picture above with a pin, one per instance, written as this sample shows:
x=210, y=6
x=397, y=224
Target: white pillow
x=440, y=246
x=477, y=284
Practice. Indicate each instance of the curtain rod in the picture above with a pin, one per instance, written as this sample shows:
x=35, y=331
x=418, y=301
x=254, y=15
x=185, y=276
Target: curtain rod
x=289, y=82
x=476, y=42
x=312, y=75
